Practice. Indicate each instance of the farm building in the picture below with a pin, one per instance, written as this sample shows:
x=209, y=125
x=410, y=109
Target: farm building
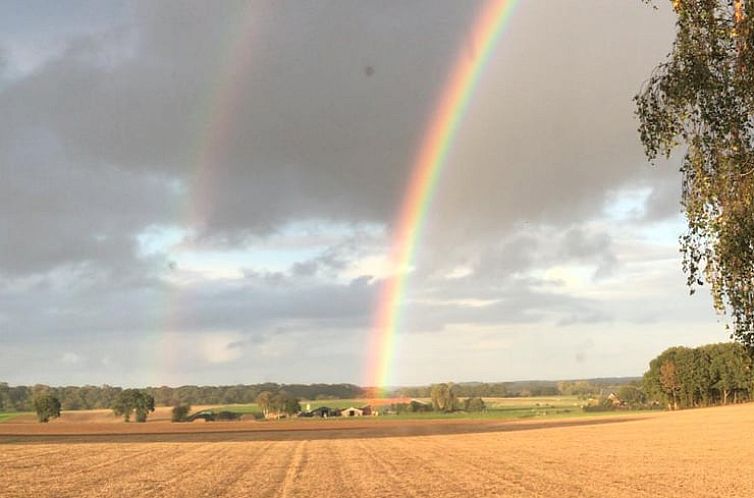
x=322, y=412
x=615, y=399
x=352, y=412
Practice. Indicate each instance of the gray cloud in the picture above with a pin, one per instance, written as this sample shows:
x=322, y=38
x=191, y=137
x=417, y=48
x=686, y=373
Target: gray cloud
x=235, y=121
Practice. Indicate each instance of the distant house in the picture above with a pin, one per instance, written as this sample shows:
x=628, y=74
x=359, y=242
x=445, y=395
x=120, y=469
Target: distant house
x=352, y=412
x=615, y=399
x=366, y=410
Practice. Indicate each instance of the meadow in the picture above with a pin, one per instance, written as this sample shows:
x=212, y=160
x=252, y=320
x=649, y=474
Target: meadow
x=652, y=454
x=497, y=408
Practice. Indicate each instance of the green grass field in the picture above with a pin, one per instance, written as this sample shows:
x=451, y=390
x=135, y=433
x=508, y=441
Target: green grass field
x=497, y=408
x=4, y=416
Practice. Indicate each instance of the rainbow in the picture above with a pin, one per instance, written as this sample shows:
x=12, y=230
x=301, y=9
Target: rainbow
x=432, y=154
x=214, y=122
x=218, y=115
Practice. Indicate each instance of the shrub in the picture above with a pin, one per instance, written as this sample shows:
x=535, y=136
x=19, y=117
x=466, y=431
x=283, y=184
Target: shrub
x=418, y=407
x=603, y=405
x=180, y=413
x=47, y=406
x=135, y=401
x=225, y=415
x=474, y=404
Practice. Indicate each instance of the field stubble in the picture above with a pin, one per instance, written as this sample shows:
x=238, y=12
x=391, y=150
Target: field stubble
x=698, y=453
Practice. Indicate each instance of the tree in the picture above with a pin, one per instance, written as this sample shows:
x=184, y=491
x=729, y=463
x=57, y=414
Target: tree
x=180, y=412
x=133, y=401
x=444, y=398
x=283, y=402
x=475, y=404
x=670, y=383
x=702, y=99
x=47, y=406
x=264, y=400
x=632, y=395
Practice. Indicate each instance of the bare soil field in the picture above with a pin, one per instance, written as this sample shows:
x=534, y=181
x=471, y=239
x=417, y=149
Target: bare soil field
x=696, y=453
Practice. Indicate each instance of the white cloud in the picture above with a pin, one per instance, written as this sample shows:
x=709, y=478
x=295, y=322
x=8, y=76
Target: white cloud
x=220, y=347
x=70, y=358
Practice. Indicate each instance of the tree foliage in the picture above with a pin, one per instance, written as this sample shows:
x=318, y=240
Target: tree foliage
x=713, y=374
x=632, y=396
x=475, y=404
x=133, y=402
x=264, y=401
x=580, y=388
x=180, y=412
x=47, y=406
x=286, y=403
x=702, y=99
x=279, y=403
x=444, y=397
x=20, y=398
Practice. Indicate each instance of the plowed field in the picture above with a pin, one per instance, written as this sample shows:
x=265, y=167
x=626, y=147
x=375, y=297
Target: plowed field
x=698, y=453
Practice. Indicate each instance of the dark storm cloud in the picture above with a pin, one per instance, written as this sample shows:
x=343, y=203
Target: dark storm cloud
x=553, y=130
x=309, y=136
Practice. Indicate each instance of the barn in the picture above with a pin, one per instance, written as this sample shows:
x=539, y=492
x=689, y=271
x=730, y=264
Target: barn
x=352, y=412
x=324, y=412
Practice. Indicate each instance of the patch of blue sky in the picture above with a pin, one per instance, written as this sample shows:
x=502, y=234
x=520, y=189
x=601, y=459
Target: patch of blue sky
x=665, y=232
x=293, y=243
x=626, y=204
x=160, y=239
x=238, y=260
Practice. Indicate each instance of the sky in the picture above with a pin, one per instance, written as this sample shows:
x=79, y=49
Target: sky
x=200, y=192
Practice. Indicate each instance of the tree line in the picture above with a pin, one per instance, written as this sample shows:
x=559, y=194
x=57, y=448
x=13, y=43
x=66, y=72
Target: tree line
x=714, y=374
x=524, y=388
x=21, y=398
x=486, y=390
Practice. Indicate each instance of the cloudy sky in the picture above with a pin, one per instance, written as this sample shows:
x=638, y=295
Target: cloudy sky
x=205, y=192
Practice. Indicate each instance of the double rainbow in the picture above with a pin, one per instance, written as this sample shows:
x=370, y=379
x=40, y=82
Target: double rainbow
x=443, y=126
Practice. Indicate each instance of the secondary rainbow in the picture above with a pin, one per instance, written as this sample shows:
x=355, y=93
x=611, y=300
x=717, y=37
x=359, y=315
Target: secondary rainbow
x=436, y=143
x=214, y=126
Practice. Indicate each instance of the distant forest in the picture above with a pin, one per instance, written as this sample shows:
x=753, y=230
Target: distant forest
x=20, y=398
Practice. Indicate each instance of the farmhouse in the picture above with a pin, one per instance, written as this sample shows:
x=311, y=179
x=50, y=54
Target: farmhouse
x=615, y=399
x=352, y=412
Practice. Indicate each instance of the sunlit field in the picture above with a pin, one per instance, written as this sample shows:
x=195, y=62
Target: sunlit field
x=658, y=454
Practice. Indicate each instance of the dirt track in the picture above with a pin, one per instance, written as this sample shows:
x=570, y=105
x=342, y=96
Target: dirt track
x=704, y=453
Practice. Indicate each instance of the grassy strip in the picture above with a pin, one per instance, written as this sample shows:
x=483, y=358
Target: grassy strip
x=5, y=416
